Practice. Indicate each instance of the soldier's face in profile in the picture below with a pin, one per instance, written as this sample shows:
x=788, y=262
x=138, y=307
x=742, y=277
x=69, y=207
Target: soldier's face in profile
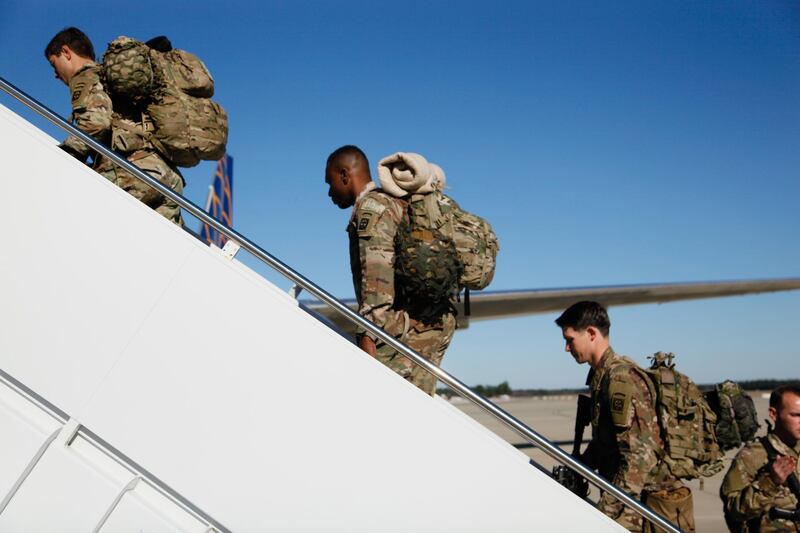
x=787, y=418
x=338, y=189
x=578, y=343
x=61, y=68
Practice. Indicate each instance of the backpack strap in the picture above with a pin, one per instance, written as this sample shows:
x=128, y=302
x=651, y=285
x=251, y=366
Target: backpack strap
x=772, y=453
x=144, y=130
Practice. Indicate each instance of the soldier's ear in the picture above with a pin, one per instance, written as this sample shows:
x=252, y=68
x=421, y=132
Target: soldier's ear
x=66, y=52
x=344, y=174
x=593, y=332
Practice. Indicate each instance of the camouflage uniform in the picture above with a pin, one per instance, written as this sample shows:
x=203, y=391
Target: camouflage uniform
x=91, y=110
x=626, y=440
x=372, y=230
x=116, y=125
x=748, y=492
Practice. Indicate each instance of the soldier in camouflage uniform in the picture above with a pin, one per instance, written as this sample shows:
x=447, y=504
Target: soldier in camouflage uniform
x=117, y=124
x=755, y=484
x=371, y=230
x=626, y=440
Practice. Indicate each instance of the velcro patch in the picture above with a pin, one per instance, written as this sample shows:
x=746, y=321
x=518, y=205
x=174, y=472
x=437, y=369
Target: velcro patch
x=372, y=205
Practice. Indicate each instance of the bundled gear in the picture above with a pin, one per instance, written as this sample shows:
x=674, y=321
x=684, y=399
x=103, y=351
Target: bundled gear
x=687, y=422
x=174, y=88
x=442, y=248
x=737, y=419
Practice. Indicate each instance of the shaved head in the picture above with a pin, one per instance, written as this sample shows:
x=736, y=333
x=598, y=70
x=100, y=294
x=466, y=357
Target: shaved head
x=346, y=173
x=349, y=156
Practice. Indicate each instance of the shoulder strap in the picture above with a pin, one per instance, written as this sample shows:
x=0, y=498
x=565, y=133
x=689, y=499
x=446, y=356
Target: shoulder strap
x=651, y=385
x=772, y=453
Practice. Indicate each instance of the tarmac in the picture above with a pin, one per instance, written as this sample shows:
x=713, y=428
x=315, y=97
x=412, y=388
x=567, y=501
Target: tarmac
x=553, y=417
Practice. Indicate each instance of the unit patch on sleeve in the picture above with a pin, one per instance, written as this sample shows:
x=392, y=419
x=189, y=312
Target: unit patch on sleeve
x=620, y=394
x=367, y=216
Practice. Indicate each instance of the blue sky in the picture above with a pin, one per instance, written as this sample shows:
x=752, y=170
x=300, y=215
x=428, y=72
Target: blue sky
x=607, y=143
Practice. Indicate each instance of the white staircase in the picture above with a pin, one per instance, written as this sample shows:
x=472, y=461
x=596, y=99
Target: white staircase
x=149, y=383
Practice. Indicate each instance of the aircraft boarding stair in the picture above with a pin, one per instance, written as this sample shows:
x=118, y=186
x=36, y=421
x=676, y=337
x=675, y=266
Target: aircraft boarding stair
x=148, y=383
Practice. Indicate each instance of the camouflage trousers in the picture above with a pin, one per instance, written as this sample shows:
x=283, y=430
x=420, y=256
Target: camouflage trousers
x=153, y=164
x=430, y=341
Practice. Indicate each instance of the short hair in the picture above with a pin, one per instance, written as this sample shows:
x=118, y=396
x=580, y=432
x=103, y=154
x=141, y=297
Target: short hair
x=581, y=315
x=776, y=398
x=348, y=150
x=75, y=39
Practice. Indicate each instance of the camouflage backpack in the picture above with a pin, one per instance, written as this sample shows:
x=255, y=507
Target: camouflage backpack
x=175, y=88
x=427, y=266
x=443, y=248
x=686, y=421
x=737, y=420
x=476, y=244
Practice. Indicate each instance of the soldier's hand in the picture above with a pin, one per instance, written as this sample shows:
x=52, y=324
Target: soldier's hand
x=368, y=345
x=781, y=468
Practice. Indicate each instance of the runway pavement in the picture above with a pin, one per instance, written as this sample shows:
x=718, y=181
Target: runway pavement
x=554, y=418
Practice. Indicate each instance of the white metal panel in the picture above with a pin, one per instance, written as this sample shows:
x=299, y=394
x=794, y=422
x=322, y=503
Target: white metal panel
x=211, y=406
x=54, y=288
x=26, y=431
x=233, y=400
x=143, y=509
x=70, y=489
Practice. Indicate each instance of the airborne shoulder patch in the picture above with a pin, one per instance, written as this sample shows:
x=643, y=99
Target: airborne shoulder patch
x=363, y=224
x=367, y=214
x=619, y=396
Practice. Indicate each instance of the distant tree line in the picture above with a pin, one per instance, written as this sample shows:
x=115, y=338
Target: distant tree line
x=504, y=388
x=760, y=384
x=488, y=391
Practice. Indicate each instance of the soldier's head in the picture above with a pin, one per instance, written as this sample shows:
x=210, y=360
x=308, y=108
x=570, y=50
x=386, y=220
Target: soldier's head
x=68, y=51
x=784, y=410
x=346, y=173
x=585, y=327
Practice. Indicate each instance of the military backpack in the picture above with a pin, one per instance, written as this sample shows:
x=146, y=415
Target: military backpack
x=442, y=248
x=737, y=419
x=426, y=263
x=686, y=421
x=477, y=247
x=175, y=89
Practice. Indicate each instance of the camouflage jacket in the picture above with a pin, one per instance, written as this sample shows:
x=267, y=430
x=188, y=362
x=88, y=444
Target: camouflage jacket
x=91, y=109
x=371, y=231
x=748, y=492
x=626, y=440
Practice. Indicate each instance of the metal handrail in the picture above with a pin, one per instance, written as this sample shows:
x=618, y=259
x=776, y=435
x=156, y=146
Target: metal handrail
x=456, y=385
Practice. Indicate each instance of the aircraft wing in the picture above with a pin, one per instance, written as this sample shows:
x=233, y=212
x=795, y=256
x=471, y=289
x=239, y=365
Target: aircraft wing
x=503, y=304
